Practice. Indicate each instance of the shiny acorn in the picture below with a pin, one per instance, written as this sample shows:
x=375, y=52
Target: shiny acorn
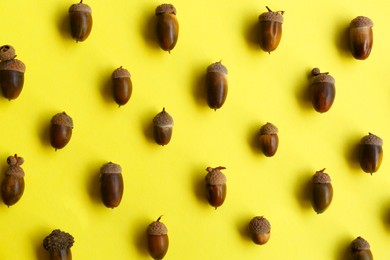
x=270, y=29
x=216, y=85
x=162, y=127
x=269, y=140
x=370, y=153
x=122, y=85
x=361, y=37
x=80, y=21
x=58, y=243
x=12, y=187
x=260, y=230
x=60, y=130
x=111, y=182
x=167, y=27
x=322, y=191
x=158, y=241
x=323, y=90
x=11, y=73
x=360, y=250
x=215, y=186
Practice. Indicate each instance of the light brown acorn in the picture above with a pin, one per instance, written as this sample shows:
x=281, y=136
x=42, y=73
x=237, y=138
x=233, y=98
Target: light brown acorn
x=216, y=85
x=60, y=130
x=270, y=29
x=215, y=186
x=361, y=37
x=260, y=230
x=158, y=241
x=111, y=182
x=360, y=249
x=323, y=90
x=322, y=191
x=167, y=27
x=269, y=140
x=80, y=21
x=58, y=243
x=370, y=153
x=12, y=187
x=122, y=85
x=162, y=127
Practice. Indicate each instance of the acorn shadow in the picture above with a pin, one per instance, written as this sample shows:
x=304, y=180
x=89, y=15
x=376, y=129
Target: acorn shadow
x=351, y=152
x=37, y=241
x=63, y=24
x=242, y=226
x=106, y=86
x=342, y=39
x=199, y=185
x=303, y=92
x=252, y=29
x=303, y=190
x=147, y=126
x=140, y=237
x=385, y=215
x=43, y=125
x=342, y=250
x=149, y=30
x=93, y=183
x=199, y=87
x=253, y=138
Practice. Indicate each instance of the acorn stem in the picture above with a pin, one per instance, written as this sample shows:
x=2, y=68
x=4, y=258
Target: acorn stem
x=159, y=218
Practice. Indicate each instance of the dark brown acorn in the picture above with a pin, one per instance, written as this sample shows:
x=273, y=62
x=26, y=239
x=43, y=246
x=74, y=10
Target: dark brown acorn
x=60, y=130
x=12, y=187
x=158, y=241
x=58, y=243
x=270, y=29
x=216, y=85
x=361, y=37
x=80, y=21
x=167, y=27
x=370, y=153
x=260, y=230
x=215, y=186
x=322, y=192
x=269, y=139
x=323, y=90
x=162, y=127
x=111, y=182
x=122, y=85
x=11, y=73
x=360, y=249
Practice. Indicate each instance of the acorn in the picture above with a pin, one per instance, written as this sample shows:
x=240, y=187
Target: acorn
x=60, y=130
x=361, y=37
x=322, y=191
x=12, y=187
x=270, y=29
x=122, y=85
x=158, y=241
x=167, y=27
x=269, y=139
x=216, y=85
x=260, y=230
x=11, y=73
x=360, y=249
x=215, y=186
x=58, y=243
x=323, y=90
x=162, y=130
x=370, y=153
x=111, y=184
x=80, y=21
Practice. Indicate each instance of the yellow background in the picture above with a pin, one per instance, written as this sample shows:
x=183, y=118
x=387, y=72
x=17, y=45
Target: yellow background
x=62, y=188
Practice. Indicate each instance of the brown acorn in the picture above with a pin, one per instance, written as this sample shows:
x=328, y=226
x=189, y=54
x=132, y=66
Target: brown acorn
x=360, y=250
x=58, y=243
x=269, y=139
x=11, y=73
x=215, y=186
x=361, y=37
x=370, y=153
x=80, y=21
x=60, y=130
x=260, y=230
x=322, y=192
x=122, y=85
x=158, y=241
x=270, y=29
x=162, y=127
x=323, y=90
x=167, y=27
x=12, y=187
x=111, y=182
x=216, y=85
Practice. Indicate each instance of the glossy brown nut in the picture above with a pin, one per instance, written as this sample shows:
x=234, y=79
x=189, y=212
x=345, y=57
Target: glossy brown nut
x=216, y=85
x=158, y=241
x=12, y=187
x=167, y=27
x=58, y=244
x=60, y=130
x=361, y=37
x=260, y=230
x=322, y=193
x=323, y=91
x=215, y=186
x=80, y=16
x=269, y=139
x=270, y=29
x=122, y=86
x=360, y=250
x=370, y=153
x=111, y=182
x=162, y=127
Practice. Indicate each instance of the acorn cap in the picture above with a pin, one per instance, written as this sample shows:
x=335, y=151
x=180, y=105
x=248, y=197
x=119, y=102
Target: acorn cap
x=7, y=52
x=360, y=244
x=121, y=73
x=15, y=160
x=62, y=119
x=15, y=170
x=321, y=177
x=323, y=77
x=271, y=17
x=259, y=225
x=157, y=228
x=58, y=240
x=165, y=8
x=215, y=176
x=371, y=139
x=361, y=21
x=269, y=129
x=13, y=64
x=111, y=168
x=80, y=7
x=217, y=67
x=163, y=119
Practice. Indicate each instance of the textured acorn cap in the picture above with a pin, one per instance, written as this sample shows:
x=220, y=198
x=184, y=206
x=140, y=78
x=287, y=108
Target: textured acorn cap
x=217, y=67
x=323, y=77
x=80, y=7
x=371, y=139
x=321, y=177
x=111, y=168
x=7, y=52
x=13, y=64
x=121, y=73
x=360, y=244
x=58, y=240
x=15, y=170
x=361, y=21
x=157, y=228
x=165, y=8
x=62, y=119
x=163, y=119
x=215, y=176
x=269, y=129
x=15, y=160
x=271, y=16
x=259, y=225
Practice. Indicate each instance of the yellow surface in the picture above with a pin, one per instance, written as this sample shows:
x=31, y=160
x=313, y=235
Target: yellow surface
x=62, y=188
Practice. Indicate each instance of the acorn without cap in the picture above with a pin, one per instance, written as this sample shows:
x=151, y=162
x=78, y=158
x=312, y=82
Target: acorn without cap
x=322, y=191
x=12, y=187
x=360, y=249
x=158, y=241
x=323, y=90
x=270, y=29
x=216, y=85
x=370, y=153
x=361, y=37
x=122, y=85
x=58, y=243
x=111, y=182
x=162, y=127
x=215, y=186
x=60, y=130
x=260, y=230
x=269, y=139
x=80, y=21
x=167, y=27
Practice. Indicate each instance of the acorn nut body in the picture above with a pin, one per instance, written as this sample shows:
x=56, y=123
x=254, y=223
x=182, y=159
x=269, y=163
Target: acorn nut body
x=111, y=182
x=162, y=127
x=60, y=130
x=58, y=243
x=216, y=85
x=167, y=27
x=269, y=139
x=158, y=241
x=80, y=21
x=370, y=153
x=12, y=187
x=215, y=186
x=360, y=249
x=260, y=230
x=270, y=29
x=361, y=37
x=323, y=91
x=322, y=191
x=122, y=85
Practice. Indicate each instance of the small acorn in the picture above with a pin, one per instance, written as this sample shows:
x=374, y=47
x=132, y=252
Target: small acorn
x=11, y=73
x=60, y=130
x=162, y=127
x=361, y=37
x=370, y=153
x=322, y=192
x=111, y=181
x=158, y=241
x=167, y=27
x=215, y=186
x=260, y=230
x=122, y=85
x=80, y=21
x=216, y=85
x=323, y=90
x=269, y=139
x=360, y=249
x=58, y=243
x=12, y=187
x=270, y=29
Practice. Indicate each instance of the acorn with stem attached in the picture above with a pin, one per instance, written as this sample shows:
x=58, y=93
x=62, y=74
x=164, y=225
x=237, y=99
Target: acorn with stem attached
x=270, y=29
x=215, y=186
x=370, y=153
x=167, y=27
x=60, y=130
x=360, y=249
x=80, y=16
x=58, y=243
x=269, y=139
x=158, y=240
x=111, y=182
x=361, y=37
x=12, y=187
x=260, y=230
x=322, y=191
x=122, y=85
x=216, y=85
x=323, y=90
x=162, y=127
